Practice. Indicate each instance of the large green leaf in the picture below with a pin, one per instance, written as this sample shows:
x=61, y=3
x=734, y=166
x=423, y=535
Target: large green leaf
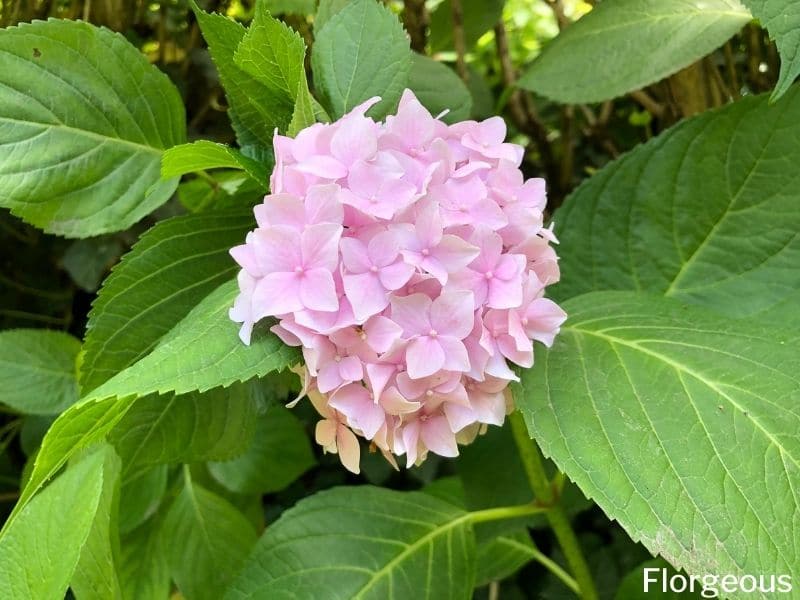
x=95, y=576
x=203, y=154
x=158, y=282
x=363, y=542
x=140, y=496
x=206, y=541
x=439, y=89
x=255, y=109
x=782, y=20
x=682, y=425
x=84, y=119
x=279, y=453
x=202, y=351
x=193, y=427
x=40, y=551
x=37, y=370
x=479, y=17
x=708, y=212
x=624, y=45
x=143, y=571
x=361, y=52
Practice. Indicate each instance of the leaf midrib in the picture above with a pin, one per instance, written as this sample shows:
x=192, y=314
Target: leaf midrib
x=88, y=134
x=410, y=549
x=681, y=368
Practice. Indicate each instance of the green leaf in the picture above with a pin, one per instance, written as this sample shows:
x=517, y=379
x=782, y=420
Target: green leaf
x=255, y=109
x=275, y=54
x=479, y=17
x=87, y=261
x=503, y=556
x=290, y=7
x=84, y=119
x=201, y=352
x=680, y=424
x=206, y=541
x=625, y=45
x=158, y=282
x=203, y=154
x=326, y=9
x=37, y=370
x=279, y=453
x=140, y=496
x=707, y=213
x=361, y=52
x=143, y=572
x=222, y=190
x=363, y=542
x=39, y=552
x=96, y=575
x=781, y=18
x=193, y=427
x=439, y=89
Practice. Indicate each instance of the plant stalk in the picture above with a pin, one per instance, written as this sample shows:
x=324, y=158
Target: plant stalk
x=544, y=494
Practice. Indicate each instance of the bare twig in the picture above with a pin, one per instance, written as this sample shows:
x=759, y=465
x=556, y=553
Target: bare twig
x=521, y=106
x=558, y=10
x=459, y=39
x=730, y=64
x=416, y=21
x=648, y=103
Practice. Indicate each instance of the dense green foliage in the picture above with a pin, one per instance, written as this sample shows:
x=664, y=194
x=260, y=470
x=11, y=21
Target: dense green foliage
x=144, y=449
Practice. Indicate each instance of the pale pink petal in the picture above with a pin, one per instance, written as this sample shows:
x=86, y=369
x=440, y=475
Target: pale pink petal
x=453, y=314
x=542, y=320
x=354, y=140
x=277, y=248
x=395, y=403
x=456, y=356
x=354, y=255
x=277, y=294
x=351, y=369
x=318, y=291
x=383, y=248
x=458, y=416
x=349, y=451
x=320, y=246
x=322, y=205
x=280, y=209
x=411, y=313
x=438, y=437
x=454, y=253
x=366, y=294
x=425, y=356
x=325, y=434
x=325, y=167
x=382, y=333
x=379, y=376
x=395, y=276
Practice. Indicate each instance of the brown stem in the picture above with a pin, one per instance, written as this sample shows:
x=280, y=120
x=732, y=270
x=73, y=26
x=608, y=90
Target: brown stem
x=416, y=21
x=648, y=103
x=521, y=106
x=730, y=65
x=459, y=39
x=558, y=10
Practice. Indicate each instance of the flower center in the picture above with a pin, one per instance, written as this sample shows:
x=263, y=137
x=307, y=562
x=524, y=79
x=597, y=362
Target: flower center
x=524, y=320
x=488, y=275
x=337, y=358
x=299, y=270
x=433, y=333
x=425, y=251
x=373, y=269
x=429, y=393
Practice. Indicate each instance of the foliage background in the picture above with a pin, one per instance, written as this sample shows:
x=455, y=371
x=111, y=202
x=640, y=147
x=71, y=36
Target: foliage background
x=49, y=282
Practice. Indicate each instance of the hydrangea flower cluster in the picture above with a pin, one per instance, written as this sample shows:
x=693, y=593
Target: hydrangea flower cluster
x=409, y=260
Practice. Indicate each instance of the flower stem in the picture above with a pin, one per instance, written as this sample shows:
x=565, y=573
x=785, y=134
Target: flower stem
x=506, y=512
x=545, y=496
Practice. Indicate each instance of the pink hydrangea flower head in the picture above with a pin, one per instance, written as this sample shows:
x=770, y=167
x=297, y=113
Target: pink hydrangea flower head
x=409, y=261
